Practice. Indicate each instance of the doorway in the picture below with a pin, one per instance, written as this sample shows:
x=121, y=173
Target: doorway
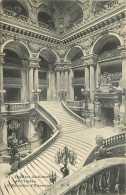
x=107, y=116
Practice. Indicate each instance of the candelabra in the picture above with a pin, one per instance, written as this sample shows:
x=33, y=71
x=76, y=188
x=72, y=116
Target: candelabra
x=52, y=177
x=64, y=156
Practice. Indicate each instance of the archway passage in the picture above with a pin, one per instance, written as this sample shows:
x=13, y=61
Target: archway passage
x=47, y=60
x=44, y=131
x=14, y=75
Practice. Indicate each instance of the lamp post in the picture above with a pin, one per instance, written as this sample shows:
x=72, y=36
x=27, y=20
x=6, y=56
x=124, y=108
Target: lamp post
x=64, y=156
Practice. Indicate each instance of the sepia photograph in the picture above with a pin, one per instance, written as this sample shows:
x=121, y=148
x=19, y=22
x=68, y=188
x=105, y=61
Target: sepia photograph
x=62, y=97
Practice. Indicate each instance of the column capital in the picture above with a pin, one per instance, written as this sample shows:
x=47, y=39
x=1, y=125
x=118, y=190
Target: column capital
x=25, y=62
x=34, y=63
x=122, y=51
x=90, y=60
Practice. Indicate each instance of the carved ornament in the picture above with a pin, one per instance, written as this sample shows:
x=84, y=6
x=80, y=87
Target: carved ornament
x=34, y=47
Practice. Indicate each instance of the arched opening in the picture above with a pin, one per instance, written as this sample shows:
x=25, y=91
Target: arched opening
x=44, y=131
x=45, y=20
x=15, y=9
x=74, y=56
x=47, y=59
x=14, y=76
x=109, y=72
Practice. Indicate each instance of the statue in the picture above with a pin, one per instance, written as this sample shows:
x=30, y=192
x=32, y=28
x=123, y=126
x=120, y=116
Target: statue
x=97, y=108
x=116, y=110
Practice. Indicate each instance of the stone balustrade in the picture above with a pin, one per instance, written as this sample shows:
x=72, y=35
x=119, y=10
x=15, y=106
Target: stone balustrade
x=115, y=140
x=17, y=106
x=39, y=150
x=109, y=54
x=78, y=81
x=14, y=15
x=12, y=80
x=100, y=177
x=71, y=103
x=81, y=120
x=44, y=82
x=113, y=77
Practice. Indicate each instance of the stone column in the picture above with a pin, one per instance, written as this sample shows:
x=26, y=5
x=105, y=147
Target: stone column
x=51, y=89
x=87, y=76
x=58, y=83
x=62, y=78
x=24, y=75
x=98, y=73
x=71, y=88
x=36, y=81
x=31, y=84
x=92, y=82
x=66, y=82
x=1, y=79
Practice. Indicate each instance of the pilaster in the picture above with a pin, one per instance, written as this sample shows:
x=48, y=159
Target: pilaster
x=2, y=55
x=24, y=76
x=71, y=89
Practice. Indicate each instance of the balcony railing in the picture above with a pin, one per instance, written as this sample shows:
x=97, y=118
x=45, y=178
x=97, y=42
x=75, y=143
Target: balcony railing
x=12, y=60
x=78, y=62
x=43, y=82
x=12, y=81
x=78, y=81
x=17, y=106
x=71, y=103
x=109, y=54
x=113, y=77
x=14, y=15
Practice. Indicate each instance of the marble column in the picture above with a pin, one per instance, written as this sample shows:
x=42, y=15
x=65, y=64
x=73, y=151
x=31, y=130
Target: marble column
x=51, y=89
x=66, y=82
x=98, y=73
x=92, y=82
x=1, y=79
x=62, y=79
x=31, y=84
x=87, y=76
x=24, y=75
x=36, y=81
x=58, y=83
x=71, y=88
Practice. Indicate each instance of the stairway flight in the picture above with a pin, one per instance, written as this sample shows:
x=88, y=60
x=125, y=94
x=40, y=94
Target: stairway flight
x=33, y=177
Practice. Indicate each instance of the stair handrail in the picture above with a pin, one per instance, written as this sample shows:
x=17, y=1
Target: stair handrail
x=81, y=120
x=39, y=150
x=53, y=119
x=92, y=178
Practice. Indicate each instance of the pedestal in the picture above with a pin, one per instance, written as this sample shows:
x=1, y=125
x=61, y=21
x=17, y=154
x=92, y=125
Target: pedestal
x=97, y=122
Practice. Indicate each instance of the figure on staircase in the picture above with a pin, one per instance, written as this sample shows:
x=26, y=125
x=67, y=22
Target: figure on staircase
x=97, y=108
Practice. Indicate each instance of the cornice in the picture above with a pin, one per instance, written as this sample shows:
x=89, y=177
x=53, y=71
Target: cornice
x=38, y=33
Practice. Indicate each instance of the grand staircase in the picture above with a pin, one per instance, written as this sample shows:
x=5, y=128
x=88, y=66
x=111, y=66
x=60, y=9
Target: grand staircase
x=33, y=177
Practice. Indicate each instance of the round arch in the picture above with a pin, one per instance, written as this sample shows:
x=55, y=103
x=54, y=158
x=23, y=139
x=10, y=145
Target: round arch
x=50, y=51
x=20, y=42
x=103, y=36
x=69, y=52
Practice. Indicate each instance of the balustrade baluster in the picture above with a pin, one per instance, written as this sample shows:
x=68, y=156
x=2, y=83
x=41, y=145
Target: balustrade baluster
x=122, y=180
x=96, y=185
x=89, y=189
x=104, y=184
x=113, y=176
x=82, y=189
